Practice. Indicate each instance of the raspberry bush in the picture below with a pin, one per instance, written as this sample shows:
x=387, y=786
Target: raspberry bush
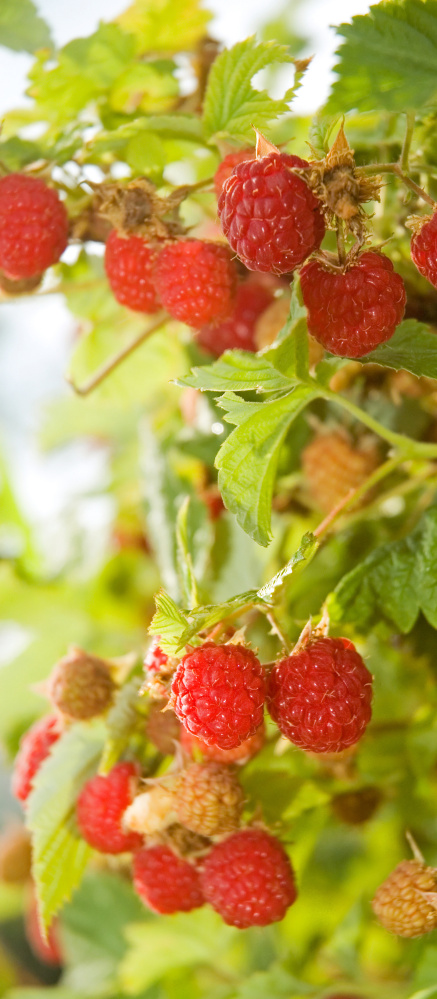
x=218, y=685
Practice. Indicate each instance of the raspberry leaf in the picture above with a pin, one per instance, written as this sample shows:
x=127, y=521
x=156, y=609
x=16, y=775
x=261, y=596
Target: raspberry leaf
x=303, y=555
x=248, y=458
x=231, y=103
x=388, y=58
x=152, y=22
x=396, y=581
x=413, y=347
x=168, y=622
x=60, y=855
x=21, y=27
x=240, y=370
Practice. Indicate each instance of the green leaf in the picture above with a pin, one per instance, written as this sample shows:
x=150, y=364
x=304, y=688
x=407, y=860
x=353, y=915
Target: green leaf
x=153, y=24
x=60, y=855
x=388, y=59
x=121, y=722
x=168, y=622
x=21, y=27
x=248, y=458
x=163, y=492
x=397, y=581
x=276, y=983
x=413, y=347
x=184, y=559
x=239, y=370
x=304, y=554
x=289, y=353
x=232, y=105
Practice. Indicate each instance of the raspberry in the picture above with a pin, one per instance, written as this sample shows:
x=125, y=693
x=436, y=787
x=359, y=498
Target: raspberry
x=81, y=685
x=400, y=904
x=100, y=809
x=355, y=807
x=33, y=226
x=320, y=698
x=227, y=166
x=218, y=693
x=155, y=657
x=350, y=313
x=248, y=879
x=151, y=812
x=244, y=752
x=46, y=950
x=208, y=799
x=166, y=883
x=163, y=728
x=129, y=264
x=253, y=296
x=197, y=281
x=424, y=249
x=269, y=215
x=333, y=466
x=35, y=746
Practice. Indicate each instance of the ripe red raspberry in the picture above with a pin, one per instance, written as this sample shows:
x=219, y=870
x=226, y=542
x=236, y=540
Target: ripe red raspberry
x=34, y=747
x=248, y=879
x=129, y=264
x=333, y=465
x=197, y=281
x=320, y=698
x=244, y=752
x=269, y=215
x=218, y=693
x=424, y=248
x=400, y=904
x=33, y=226
x=100, y=809
x=350, y=313
x=155, y=658
x=49, y=950
x=226, y=167
x=208, y=799
x=166, y=883
x=252, y=298
x=81, y=685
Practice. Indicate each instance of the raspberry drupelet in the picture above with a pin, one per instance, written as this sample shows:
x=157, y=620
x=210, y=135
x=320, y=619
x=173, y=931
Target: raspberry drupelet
x=241, y=754
x=218, y=694
x=33, y=226
x=100, y=809
x=129, y=264
x=269, y=215
x=165, y=882
x=35, y=746
x=196, y=281
x=248, y=879
x=352, y=312
x=227, y=166
x=208, y=799
x=320, y=698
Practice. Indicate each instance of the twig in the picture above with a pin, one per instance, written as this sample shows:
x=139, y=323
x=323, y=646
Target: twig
x=109, y=366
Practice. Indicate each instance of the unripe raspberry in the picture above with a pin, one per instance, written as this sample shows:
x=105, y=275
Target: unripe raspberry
x=163, y=728
x=401, y=903
x=320, y=697
x=269, y=215
x=101, y=806
x=166, y=883
x=196, y=281
x=351, y=312
x=248, y=879
x=227, y=166
x=49, y=950
x=332, y=466
x=208, y=799
x=33, y=226
x=15, y=856
x=218, y=693
x=81, y=685
x=129, y=264
x=151, y=812
x=241, y=754
x=424, y=248
x=35, y=746
x=355, y=807
x=253, y=296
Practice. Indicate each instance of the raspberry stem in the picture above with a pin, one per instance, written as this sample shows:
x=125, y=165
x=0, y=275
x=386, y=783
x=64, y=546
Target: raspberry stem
x=377, y=168
x=406, y=145
x=109, y=366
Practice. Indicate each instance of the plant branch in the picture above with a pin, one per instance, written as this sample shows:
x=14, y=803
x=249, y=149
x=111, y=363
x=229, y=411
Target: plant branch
x=406, y=145
x=109, y=366
x=395, y=168
x=277, y=630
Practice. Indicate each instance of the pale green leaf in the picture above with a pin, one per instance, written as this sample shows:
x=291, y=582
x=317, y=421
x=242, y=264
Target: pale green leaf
x=22, y=28
x=168, y=622
x=302, y=556
x=232, y=105
x=60, y=855
x=237, y=370
x=165, y=25
x=413, y=347
x=388, y=59
x=248, y=458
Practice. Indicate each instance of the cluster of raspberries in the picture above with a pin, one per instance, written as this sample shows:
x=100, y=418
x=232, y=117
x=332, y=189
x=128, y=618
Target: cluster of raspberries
x=273, y=222
x=185, y=829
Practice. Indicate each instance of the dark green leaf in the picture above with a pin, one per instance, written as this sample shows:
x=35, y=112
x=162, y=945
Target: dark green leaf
x=388, y=59
x=21, y=27
x=413, y=347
